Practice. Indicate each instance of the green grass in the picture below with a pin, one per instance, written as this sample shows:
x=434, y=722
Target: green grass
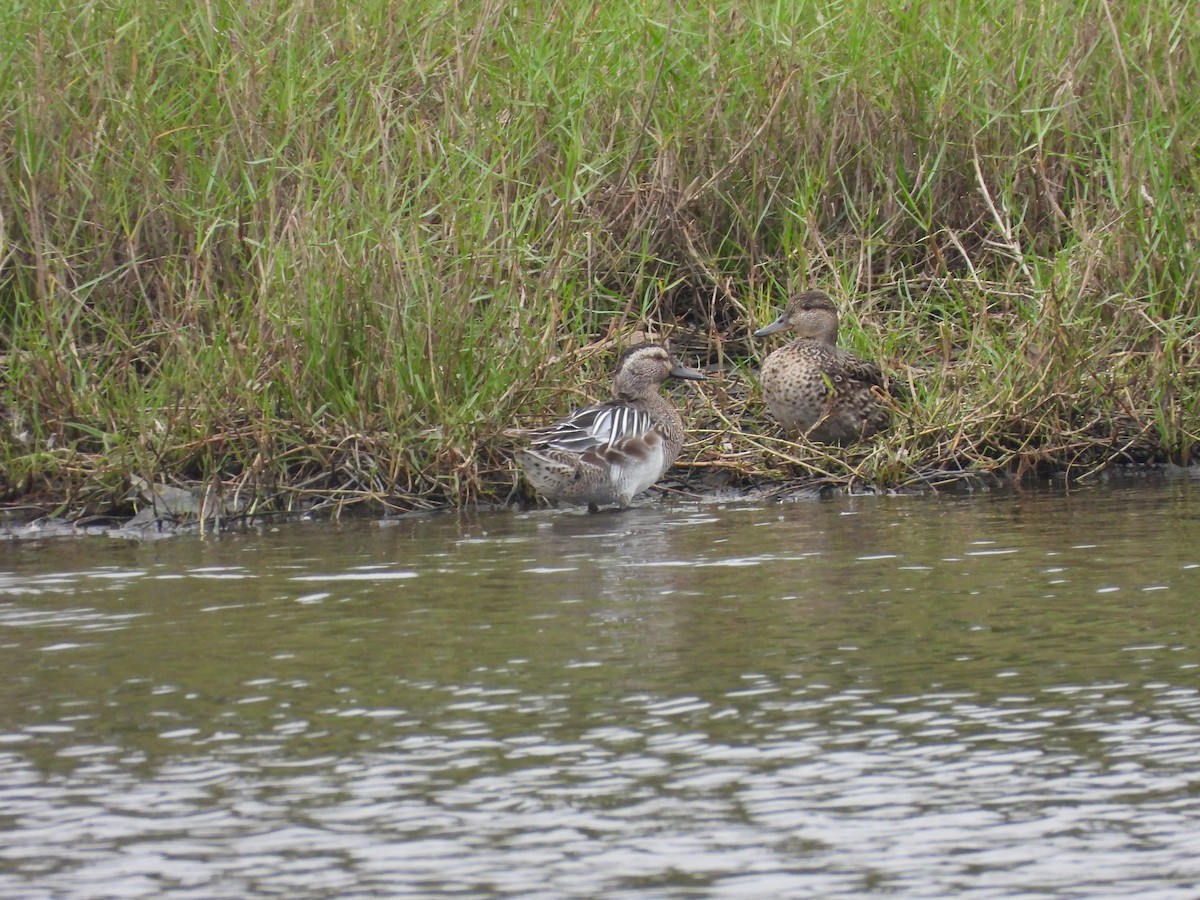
x=336, y=250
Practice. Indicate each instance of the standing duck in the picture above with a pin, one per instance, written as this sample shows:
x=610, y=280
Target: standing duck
x=811, y=386
x=608, y=453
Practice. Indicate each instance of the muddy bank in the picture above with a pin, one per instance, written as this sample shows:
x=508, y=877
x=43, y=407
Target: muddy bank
x=161, y=511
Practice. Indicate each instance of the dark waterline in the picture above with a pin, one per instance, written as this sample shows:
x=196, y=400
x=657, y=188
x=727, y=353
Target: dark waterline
x=923, y=697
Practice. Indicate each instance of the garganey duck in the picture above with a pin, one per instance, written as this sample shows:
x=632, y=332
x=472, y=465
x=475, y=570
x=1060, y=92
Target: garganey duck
x=811, y=386
x=608, y=453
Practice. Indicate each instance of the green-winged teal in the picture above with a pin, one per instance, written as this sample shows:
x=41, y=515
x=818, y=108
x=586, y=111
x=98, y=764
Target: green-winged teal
x=810, y=385
x=608, y=453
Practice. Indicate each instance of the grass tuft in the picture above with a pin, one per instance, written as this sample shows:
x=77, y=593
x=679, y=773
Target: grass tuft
x=329, y=252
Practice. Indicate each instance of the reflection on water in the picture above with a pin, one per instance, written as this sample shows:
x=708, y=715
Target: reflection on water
x=919, y=697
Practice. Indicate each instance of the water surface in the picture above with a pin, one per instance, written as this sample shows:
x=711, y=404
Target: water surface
x=993, y=696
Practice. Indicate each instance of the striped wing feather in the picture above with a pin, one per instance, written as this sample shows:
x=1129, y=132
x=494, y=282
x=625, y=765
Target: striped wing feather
x=598, y=429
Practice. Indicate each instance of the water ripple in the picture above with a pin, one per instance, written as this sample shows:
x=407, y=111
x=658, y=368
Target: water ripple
x=558, y=706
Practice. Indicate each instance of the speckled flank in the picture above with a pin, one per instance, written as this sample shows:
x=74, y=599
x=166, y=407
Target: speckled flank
x=811, y=386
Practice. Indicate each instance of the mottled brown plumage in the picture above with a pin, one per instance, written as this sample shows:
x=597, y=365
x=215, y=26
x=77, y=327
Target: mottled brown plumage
x=607, y=454
x=811, y=386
